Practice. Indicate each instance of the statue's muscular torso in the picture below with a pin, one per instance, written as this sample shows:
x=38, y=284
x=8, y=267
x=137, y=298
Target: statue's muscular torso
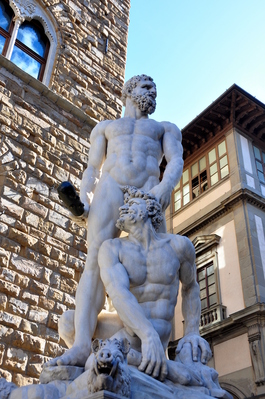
x=134, y=151
x=154, y=280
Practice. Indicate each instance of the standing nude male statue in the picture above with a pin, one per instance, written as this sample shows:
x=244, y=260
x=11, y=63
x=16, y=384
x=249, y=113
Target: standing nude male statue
x=129, y=151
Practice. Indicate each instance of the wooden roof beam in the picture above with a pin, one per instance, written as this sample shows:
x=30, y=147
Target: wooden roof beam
x=251, y=117
x=218, y=114
x=260, y=133
x=245, y=110
x=259, y=121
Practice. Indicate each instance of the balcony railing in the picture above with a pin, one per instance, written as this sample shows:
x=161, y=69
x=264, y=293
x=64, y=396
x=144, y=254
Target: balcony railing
x=213, y=315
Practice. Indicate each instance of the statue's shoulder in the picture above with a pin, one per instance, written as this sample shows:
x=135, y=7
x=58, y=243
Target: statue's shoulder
x=172, y=128
x=100, y=128
x=183, y=246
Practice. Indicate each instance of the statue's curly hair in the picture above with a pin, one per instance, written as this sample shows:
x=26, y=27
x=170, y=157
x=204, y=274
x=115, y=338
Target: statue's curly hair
x=131, y=84
x=153, y=207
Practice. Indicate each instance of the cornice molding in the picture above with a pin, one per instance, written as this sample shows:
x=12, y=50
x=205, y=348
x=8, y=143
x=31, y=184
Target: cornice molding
x=242, y=195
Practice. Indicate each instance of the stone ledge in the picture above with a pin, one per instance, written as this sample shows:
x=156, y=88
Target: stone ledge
x=45, y=91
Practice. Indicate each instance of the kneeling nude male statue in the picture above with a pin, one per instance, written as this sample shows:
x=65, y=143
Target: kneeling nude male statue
x=141, y=274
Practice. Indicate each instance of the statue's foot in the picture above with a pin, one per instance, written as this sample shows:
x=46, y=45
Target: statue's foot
x=76, y=356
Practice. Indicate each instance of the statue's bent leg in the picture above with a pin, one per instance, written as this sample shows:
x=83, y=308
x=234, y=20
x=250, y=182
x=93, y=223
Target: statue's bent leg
x=180, y=373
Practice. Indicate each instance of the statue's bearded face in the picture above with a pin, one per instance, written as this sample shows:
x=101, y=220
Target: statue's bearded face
x=145, y=102
x=144, y=96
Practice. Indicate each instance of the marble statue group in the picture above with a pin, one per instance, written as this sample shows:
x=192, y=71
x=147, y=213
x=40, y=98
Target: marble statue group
x=141, y=272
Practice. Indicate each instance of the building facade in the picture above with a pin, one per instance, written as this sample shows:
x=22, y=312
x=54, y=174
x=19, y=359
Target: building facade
x=62, y=68
x=220, y=205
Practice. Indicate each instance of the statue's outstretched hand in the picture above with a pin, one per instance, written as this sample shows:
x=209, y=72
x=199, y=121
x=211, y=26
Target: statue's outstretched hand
x=196, y=342
x=154, y=361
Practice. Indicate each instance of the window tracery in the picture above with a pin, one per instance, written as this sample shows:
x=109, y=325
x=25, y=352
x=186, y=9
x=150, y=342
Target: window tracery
x=28, y=37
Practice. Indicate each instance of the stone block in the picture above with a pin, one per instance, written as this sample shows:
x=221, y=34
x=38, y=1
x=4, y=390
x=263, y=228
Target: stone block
x=33, y=343
x=46, y=227
x=46, y=303
x=31, y=219
x=69, y=286
x=30, y=298
x=59, y=255
x=14, y=147
x=52, y=349
x=46, y=276
x=55, y=294
x=6, y=334
x=17, y=307
x=38, y=315
x=10, y=319
x=59, y=244
x=29, y=156
x=55, y=280
x=11, y=209
x=76, y=263
x=8, y=219
x=29, y=327
x=49, y=334
x=11, y=194
x=38, y=288
x=44, y=165
x=7, y=274
x=26, y=266
x=12, y=246
x=34, y=207
x=24, y=239
x=44, y=248
x=9, y=288
x=19, y=176
x=38, y=186
x=58, y=219
x=63, y=235
x=60, y=174
x=16, y=359
x=66, y=271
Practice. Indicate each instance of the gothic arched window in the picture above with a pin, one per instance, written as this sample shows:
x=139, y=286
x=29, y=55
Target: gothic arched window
x=23, y=40
x=31, y=48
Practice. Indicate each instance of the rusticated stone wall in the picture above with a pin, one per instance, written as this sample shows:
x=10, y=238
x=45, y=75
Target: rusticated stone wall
x=44, y=140
x=90, y=65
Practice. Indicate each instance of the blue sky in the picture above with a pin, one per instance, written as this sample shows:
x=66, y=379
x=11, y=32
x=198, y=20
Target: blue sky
x=195, y=50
